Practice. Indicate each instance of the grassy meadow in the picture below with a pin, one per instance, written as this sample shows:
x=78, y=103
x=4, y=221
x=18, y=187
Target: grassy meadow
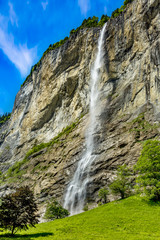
x=128, y=219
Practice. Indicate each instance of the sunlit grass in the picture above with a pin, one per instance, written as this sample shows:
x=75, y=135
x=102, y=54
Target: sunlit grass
x=131, y=218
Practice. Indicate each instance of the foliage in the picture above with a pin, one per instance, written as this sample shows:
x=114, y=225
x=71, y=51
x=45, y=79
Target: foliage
x=122, y=183
x=148, y=166
x=103, y=20
x=65, y=131
x=15, y=169
x=91, y=22
x=103, y=192
x=55, y=210
x=118, y=11
x=131, y=218
x=4, y=118
x=85, y=208
x=18, y=210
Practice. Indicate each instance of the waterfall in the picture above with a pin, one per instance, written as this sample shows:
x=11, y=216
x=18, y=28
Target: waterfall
x=77, y=188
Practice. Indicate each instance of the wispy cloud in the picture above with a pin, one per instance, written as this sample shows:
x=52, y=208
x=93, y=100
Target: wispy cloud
x=44, y=5
x=84, y=6
x=105, y=9
x=19, y=54
x=12, y=15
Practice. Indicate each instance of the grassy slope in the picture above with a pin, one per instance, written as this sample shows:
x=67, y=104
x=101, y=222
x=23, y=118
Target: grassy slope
x=131, y=218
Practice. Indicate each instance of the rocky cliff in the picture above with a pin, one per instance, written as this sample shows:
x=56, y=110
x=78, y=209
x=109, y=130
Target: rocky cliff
x=55, y=99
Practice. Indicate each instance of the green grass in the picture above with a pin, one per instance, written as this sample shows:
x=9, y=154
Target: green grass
x=127, y=219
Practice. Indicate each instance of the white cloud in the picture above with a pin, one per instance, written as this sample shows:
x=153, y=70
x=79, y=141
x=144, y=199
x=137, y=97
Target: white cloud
x=12, y=15
x=44, y=5
x=105, y=9
x=84, y=6
x=20, y=55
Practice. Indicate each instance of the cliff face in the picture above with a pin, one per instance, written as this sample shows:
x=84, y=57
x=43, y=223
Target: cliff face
x=57, y=94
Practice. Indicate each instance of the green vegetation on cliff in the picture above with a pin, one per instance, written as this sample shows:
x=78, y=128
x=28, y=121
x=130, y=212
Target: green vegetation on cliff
x=4, y=118
x=87, y=23
x=16, y=171
x=118, y=11
x=131, y=219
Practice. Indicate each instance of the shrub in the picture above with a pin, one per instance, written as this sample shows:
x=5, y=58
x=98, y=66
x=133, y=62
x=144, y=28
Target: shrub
x=103, y=192
x=122, y=184
x=85, y=208
x=54, y=211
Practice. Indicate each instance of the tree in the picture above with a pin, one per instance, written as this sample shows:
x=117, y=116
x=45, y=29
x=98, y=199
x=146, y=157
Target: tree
x=103, y=192
x=55, y=210
x=115, y=13
x=18, y=210
x=103, y=20
x=4, y=118
x=148, y=167
x=122, y=183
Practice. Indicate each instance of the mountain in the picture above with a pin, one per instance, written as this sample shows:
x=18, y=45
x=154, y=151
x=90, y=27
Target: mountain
x=44, y=139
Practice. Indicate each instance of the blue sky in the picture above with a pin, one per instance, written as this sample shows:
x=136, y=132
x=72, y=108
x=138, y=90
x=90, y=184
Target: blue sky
x=28, y=27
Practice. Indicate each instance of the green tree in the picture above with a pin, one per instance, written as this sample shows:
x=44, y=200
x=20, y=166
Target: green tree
x=122, y=183
x=4, y=118
x=18, y=210
x=103, y=193
x=103, y=20
x=115, y=13
x=54, y=211
x=148, y=167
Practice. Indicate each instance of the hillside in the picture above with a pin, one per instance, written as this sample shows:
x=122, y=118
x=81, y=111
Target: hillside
x=43, y=141
x=127, y=219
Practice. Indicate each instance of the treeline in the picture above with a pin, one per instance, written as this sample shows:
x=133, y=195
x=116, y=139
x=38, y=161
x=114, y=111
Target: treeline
x=118, y=11
x=4, y=118
x=87, y=23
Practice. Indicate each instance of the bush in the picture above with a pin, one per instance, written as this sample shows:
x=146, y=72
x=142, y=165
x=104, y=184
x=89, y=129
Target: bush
x=122, y=184
x=148, y=167
x=18, y=210
x=85, y=208
x=103, y=192
x=54, y=211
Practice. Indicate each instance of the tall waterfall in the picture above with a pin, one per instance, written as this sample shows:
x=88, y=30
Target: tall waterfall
x=76, y=191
